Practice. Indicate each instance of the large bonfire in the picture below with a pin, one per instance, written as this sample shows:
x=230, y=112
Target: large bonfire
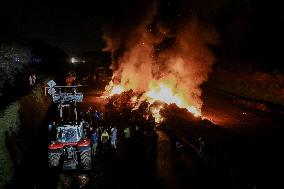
x=158, y=95
x=163, y=64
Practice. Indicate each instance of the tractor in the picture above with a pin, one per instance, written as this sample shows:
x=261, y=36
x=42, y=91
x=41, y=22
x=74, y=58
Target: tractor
x=69, y=147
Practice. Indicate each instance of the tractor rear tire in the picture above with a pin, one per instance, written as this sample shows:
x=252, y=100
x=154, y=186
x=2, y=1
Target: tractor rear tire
x=86, y=160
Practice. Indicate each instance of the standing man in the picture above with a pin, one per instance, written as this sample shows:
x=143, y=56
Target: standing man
x=126, y=132
x=94, y=141
x=113, y=137
x=85, y=127
x=96, y=118
x=34, y=79
x=105, y=139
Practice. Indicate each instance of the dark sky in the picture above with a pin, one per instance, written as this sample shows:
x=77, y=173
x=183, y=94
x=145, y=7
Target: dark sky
x=77, y=27
x=72, y=27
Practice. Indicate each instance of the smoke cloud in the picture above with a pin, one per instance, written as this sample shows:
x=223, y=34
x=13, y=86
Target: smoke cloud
x=173, y=51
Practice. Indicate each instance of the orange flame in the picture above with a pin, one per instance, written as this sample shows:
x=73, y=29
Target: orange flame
x=161, y=92
x=118, y=89
x=112, y=89
x=156, y=113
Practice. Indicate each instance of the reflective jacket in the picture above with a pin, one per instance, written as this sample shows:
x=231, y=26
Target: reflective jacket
x=104, y=137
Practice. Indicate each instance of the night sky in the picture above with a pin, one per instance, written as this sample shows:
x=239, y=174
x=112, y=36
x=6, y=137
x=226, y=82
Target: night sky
x=73, y=28
x=78, y=27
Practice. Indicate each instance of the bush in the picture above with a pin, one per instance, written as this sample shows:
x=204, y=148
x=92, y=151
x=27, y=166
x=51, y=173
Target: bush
x=9, y=120
x=13, y=61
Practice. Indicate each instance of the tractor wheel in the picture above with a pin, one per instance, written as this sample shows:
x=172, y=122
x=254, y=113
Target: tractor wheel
x=53, y=159
x=86, y=159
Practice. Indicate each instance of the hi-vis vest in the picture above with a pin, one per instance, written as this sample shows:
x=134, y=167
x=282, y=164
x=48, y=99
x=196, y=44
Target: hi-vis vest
x=127, y=132
x=104, y=137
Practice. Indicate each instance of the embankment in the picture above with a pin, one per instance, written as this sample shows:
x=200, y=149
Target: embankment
x=20, y=125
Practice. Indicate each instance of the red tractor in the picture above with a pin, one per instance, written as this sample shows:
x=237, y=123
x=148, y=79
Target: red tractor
x=69, y=147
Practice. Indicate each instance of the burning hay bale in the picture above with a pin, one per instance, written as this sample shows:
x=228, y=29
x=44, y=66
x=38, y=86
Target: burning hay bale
x=132, y=108
x=123, y=109
x=183, y=123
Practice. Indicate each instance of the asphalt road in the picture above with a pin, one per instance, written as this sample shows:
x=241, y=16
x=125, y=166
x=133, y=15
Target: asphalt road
x=258, y=127
x=240, y=114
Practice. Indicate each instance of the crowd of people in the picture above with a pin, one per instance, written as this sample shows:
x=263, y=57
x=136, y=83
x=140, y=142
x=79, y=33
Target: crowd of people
x=105, y=135
x=102, y=137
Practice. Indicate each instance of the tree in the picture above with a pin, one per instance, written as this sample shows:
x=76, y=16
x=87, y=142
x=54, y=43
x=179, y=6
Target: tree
x=13, y=60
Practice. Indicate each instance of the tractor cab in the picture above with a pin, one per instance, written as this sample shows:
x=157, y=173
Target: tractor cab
x=69, y=134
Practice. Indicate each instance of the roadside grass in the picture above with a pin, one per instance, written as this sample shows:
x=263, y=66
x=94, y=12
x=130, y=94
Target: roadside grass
x=33, y=108
x=22, y=120
x=9, y=120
